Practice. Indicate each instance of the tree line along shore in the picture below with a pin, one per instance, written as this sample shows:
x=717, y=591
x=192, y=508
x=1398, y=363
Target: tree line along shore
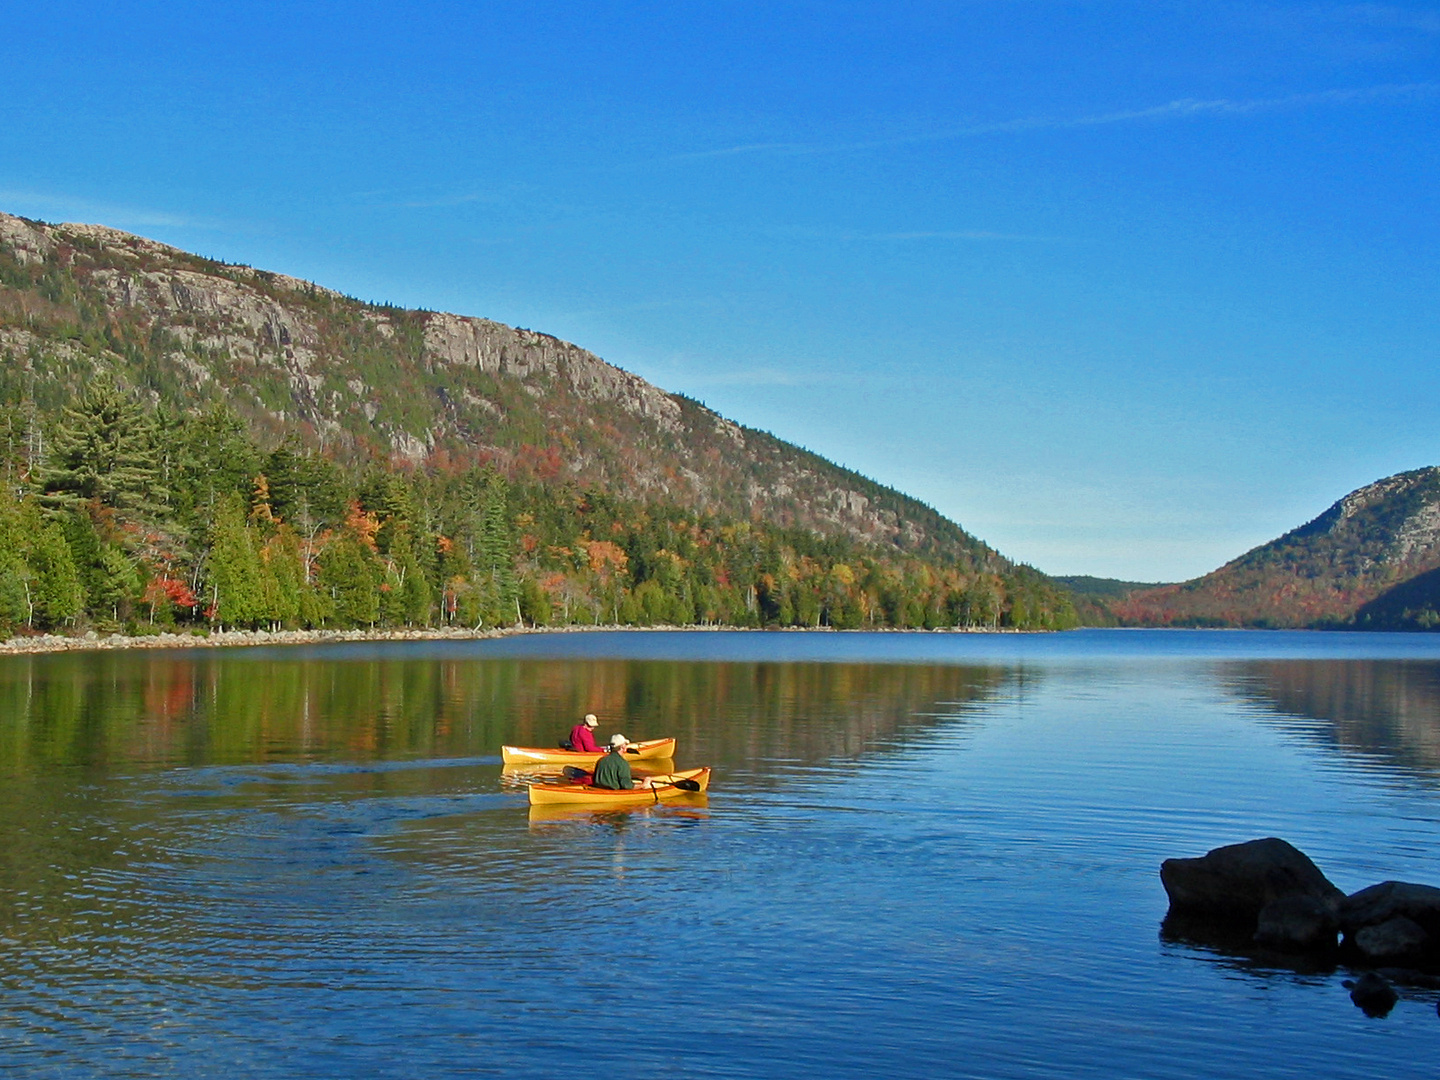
x=118, y=519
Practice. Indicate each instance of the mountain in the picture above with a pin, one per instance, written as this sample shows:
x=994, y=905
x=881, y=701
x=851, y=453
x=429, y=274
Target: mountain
x=1370, y=561
x=372, y=382
x=364, y=388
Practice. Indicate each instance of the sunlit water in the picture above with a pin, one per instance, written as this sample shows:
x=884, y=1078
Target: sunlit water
x=922, y=855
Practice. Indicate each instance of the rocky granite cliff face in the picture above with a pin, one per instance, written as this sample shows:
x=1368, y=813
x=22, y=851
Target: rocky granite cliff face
x=363, y=381
x=1370, y=561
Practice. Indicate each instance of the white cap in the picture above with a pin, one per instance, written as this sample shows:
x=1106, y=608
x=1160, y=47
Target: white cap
x=590, y=720
x=619, y=740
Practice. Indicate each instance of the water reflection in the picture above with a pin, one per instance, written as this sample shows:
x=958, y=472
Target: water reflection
x=109, y=711
x=152, y=804
x=1381, y=710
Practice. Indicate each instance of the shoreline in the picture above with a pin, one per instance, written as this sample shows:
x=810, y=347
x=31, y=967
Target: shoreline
x=91, y=641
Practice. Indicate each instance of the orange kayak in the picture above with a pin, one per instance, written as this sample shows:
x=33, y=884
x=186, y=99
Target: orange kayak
x=666, y=786
x=650, y=750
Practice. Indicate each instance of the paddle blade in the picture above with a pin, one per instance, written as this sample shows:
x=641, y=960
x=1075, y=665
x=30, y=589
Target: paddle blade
x=572, y=773
x=687, y=785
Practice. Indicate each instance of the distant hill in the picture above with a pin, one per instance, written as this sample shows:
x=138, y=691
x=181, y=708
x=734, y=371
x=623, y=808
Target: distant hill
x=1102, y=588
x=1095, y=595
x=1369, y=561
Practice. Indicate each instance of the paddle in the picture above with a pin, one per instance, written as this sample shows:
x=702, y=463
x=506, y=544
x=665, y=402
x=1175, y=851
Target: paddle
x=682, y=783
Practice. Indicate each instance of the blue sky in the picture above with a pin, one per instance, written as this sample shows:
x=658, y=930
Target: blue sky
x=1123, y=288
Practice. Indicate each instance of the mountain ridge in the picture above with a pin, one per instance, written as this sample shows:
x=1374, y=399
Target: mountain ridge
x=267, y=345
x=1334, y=571
x=366, y=447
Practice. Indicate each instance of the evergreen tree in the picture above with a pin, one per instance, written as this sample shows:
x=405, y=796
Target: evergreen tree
x=104, y=450
x=349, y=570
x=115, y=580
x=210, y=456
x=284, y=577
x=14, y=570
x=56, y=595
x=495, y=552
x=236, y=592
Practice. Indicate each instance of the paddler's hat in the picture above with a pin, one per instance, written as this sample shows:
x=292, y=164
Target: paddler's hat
x=619, y=740
x=590, y=720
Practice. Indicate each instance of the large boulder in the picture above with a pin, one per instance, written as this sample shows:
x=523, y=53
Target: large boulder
x=1237, y=882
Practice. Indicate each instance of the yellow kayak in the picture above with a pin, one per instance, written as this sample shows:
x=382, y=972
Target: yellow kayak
x=666, y=786
x=650, y=750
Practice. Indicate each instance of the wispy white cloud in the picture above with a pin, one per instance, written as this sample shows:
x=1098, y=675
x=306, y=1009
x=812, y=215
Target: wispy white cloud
x=1179, y=109
x=442, y=201
x=69, y=208
x=958, y=234
x=917, y=235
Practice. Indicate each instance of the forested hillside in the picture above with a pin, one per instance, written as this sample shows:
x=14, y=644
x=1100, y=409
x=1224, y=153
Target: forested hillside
x=188, y=442
x=1368, y=562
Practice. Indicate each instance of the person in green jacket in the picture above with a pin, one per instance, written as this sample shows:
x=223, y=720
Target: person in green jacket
x=613, y=771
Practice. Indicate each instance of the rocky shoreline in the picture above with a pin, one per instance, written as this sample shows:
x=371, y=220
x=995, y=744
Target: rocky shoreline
x=47, y=643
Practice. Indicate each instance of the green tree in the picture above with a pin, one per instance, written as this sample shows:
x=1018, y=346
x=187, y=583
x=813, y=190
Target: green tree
x=14, y=570
x=104, y=450
x=56, y=595
x=235, y=574
x=495, y=551
x=351, y=573
x=284, y=577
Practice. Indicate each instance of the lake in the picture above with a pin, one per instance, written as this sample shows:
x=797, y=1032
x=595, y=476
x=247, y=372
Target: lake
x=922, y=855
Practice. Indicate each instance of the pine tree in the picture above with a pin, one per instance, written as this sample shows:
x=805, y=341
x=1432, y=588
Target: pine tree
x=495, y=552
x=350, y=571
x=104, y=450
x=14, y=570
x=284, y=577
x=236, y=592
x=56, y=595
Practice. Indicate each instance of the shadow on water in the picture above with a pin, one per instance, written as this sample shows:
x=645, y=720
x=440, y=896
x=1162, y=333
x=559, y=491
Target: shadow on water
x=1235, y=950
x=1380, y=712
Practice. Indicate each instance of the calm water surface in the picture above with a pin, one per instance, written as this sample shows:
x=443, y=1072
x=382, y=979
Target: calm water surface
x=922, y=856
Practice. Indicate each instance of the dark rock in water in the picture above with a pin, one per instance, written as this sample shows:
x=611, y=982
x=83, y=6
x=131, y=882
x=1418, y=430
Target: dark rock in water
x=1395, y=922
x=1418, y=903
x=1297, y=923
x=1395, y=939
x=1373, y=994
x=1238, y=881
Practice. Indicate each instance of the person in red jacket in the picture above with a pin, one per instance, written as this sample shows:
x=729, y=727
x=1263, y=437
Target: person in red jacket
x=582, y=735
